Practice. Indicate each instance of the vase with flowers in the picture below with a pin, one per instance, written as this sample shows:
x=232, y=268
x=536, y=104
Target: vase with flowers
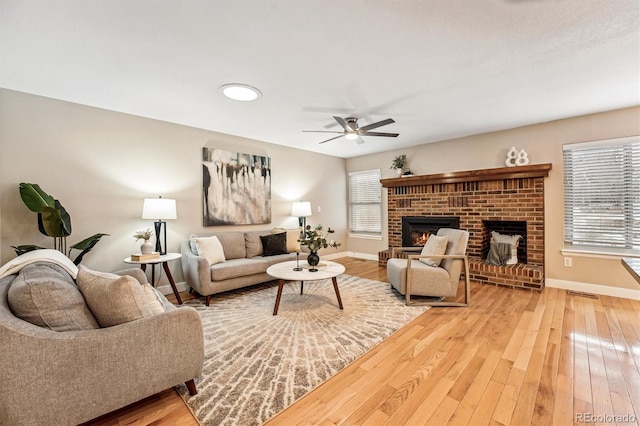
x=145, y=235
x=316, y=238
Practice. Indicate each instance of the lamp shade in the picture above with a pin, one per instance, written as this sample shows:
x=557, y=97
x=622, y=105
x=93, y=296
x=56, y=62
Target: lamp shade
x=159, y=208
x=301, y=208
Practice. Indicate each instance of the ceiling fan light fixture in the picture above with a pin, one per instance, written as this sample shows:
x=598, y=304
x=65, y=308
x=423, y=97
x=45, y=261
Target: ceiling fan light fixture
x=240, y=92
x=351, y=136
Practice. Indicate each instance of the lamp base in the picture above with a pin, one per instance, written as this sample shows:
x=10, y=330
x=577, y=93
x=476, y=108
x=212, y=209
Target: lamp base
x=161, y=231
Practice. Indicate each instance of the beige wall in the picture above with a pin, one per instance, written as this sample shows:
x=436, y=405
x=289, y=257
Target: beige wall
x=102, y=164
x=543, y=143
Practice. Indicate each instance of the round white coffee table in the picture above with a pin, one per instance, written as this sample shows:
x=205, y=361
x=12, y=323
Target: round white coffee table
x=284, y=272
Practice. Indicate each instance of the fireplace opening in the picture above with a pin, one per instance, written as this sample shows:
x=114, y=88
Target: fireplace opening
x=507, y=228
x=416, y=229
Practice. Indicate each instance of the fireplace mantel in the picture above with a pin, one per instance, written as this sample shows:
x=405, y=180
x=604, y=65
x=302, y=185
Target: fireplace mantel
x=533, y=171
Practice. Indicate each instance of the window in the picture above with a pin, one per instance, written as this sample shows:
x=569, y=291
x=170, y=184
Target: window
x=602, y=195
x=365, y=208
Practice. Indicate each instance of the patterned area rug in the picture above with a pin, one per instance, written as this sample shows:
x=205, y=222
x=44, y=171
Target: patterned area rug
x=257, y=364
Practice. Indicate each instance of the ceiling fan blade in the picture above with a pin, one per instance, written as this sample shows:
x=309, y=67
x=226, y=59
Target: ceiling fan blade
x=331, y=139
x=321, y=131
x=359, y=140
x=378, y=124
x=344, y=124
x=390, y=135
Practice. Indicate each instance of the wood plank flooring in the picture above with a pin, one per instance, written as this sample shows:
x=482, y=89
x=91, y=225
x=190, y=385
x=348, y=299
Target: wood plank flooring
x=514, y=357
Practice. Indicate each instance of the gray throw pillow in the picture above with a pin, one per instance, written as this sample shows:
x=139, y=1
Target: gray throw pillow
x=45, y=295
x=274, y=244
x=113, y=299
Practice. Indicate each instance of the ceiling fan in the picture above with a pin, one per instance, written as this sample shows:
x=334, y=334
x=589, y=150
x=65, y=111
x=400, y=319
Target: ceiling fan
x=353, y=132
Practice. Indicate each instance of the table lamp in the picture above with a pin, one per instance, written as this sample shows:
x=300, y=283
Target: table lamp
x=160, y=209
x=301, y=209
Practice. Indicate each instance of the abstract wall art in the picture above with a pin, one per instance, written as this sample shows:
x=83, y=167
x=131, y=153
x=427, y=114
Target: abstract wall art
x=236, y=188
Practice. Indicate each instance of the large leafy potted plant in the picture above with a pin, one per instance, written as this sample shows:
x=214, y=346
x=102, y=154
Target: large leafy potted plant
x=53, y=221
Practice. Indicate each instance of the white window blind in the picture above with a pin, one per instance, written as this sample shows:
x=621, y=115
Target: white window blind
x=365, y=209
x=602, y=194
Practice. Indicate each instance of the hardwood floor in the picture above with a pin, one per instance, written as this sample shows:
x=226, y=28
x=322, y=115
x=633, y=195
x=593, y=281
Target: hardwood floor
x=514, y=357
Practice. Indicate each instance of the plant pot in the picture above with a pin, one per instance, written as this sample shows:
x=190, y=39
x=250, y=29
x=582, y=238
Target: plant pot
x=313, y=259
x=399, y=171
x=146, y=247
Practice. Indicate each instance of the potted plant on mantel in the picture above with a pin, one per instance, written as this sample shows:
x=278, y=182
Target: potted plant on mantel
x=399, y=163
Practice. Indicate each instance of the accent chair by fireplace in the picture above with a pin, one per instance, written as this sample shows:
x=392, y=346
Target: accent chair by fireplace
x=411, y=277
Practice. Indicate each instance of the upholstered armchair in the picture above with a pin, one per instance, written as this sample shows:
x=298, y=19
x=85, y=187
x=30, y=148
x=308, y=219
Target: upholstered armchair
x=411, y=277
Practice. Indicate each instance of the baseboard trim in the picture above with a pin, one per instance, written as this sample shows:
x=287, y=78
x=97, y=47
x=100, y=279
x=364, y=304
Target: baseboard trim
x=604, y=290
x=166, y=289
x=365, y=256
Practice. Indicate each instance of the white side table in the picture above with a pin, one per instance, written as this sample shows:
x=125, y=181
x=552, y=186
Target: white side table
x=163, y=259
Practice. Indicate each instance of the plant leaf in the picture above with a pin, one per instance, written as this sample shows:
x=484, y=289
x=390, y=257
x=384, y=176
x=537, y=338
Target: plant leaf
x=85, y=245
x=51, y=221
x=35, y=198
x=20, y=250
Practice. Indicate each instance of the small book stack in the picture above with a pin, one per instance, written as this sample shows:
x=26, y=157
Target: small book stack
x=149, y=256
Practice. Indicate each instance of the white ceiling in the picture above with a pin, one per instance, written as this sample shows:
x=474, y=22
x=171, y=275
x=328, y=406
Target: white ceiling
x=441, y=68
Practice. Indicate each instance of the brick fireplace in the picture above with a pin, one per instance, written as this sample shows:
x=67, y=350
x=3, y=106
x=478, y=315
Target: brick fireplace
x=509, y=200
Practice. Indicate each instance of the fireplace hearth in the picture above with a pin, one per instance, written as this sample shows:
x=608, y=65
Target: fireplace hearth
x=416, y=229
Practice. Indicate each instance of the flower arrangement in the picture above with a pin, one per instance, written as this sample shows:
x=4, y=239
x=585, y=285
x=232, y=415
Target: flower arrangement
x=316, y=238
x=143, y=235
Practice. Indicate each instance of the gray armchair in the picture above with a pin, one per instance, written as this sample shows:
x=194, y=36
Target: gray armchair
x=68, y=377
x=411, y=277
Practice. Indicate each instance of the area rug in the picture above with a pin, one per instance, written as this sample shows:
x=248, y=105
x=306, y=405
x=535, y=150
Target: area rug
x=257, y=364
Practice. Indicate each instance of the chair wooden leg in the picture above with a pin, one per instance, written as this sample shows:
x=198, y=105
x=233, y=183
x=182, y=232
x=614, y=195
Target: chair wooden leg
x=191, y=386
x=207, y=299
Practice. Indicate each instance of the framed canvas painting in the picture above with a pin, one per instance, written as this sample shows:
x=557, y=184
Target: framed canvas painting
x=236, y=188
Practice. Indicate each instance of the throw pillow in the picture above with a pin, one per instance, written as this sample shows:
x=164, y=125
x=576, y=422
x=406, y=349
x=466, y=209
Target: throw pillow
x=113, y=299
x=435, y=246
x=274, y=244
x=45, y=295
x=211, y=249
x=293, y=245
x=153, y=300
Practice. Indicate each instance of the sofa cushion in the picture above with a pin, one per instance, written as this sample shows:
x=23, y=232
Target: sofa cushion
x=274, y=244
x=293, y=245
x=253, y=243
x=238, y=268
x=44, y=294
x=210, y=248
x=272, y=260
x=233, y=244
x=435, y=246
x=113, y=299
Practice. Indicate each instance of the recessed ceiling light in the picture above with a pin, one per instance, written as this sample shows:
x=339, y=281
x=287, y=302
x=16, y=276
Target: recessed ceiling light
x=240, y=92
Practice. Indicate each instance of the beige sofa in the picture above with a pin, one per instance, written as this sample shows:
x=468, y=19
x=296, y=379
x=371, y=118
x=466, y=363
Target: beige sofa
x=52, y=377
x=244, y=265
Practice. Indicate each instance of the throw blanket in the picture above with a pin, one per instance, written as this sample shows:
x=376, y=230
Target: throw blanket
x=499, y=253
x=46, y=255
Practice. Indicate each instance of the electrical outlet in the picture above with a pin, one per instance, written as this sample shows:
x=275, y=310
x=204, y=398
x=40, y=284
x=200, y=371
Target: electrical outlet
x=568, y=262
